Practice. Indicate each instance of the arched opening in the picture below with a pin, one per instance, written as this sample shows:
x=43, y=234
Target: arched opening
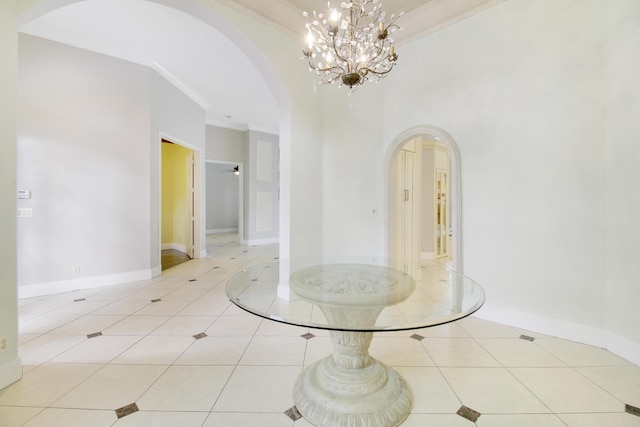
x=244, y=44
x=394, y=173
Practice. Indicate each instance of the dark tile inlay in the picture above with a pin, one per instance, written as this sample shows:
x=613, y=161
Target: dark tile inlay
x=417, y=337
x=95, y=334
x=632, y=410
x=200, y=335
x=293, y=413
x=526, y=337
x=79, y=299
x=126, y=410
x=156, y=300
x=215, y=267
x=468, y=414
x=307, y=336
x=192, y=280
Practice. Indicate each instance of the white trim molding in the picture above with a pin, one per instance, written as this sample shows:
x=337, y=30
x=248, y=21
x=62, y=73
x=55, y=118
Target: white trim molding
x=39, y=289
x=589, y=335
x=258, y=242
x=175, y=246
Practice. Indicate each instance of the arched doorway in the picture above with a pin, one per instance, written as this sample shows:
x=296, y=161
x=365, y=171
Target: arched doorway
x=213, y=18
x=395, y=171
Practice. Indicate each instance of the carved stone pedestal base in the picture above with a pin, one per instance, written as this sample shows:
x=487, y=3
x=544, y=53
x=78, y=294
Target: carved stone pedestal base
x=350, y=388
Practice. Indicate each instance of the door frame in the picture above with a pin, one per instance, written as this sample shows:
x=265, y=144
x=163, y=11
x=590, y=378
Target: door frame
x=240, y=193
x=455, y=195
x=197, y=193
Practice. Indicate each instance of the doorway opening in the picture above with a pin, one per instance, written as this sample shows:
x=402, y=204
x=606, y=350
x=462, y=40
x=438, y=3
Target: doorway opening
x=224, y=198
x=180, y=204
x=424, y=200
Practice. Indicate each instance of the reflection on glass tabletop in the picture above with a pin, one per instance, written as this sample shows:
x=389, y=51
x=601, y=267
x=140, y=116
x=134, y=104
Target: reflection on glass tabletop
x=355, y=294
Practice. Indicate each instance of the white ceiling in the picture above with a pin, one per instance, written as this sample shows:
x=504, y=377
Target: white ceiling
x=189, y=53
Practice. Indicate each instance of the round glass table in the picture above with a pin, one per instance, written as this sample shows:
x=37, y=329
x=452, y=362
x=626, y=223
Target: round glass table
x=353, y=298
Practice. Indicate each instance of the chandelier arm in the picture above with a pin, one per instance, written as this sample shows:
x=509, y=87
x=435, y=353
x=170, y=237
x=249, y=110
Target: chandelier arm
x=377, y=73
x=324, y=70
x=335, y=50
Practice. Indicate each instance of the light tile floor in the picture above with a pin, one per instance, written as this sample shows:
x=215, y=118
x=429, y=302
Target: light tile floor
x=242, y=373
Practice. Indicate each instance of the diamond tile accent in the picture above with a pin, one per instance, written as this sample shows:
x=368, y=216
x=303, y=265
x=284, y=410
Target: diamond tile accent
x=629, y=409
x=126, y=410
x=79, y=299
x=293, y=413
x=468, y=414
x=417, y=337
x=192, y=280
x=95, y=334
x=200, y=335
x=526, y=337
x=307, y=336
x=156, y=300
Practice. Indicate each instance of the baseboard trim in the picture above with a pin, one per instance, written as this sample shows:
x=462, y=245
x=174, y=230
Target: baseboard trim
x=40, y=289
x=10, y=372
x=175, y=246
x=596, y=337
x=258, y=242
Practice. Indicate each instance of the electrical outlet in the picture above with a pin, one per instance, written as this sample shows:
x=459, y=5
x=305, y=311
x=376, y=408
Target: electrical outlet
x=75, y=270
x=4, y=344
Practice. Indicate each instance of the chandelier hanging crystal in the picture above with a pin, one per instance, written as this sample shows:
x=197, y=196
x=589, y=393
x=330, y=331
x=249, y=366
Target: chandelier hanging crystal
x=351, y=44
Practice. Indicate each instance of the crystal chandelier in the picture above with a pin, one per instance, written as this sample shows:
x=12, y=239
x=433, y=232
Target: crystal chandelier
x=351, y=44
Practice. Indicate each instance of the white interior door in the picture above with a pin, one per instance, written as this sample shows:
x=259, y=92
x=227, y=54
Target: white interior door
x=407, y=212
x=191, y=205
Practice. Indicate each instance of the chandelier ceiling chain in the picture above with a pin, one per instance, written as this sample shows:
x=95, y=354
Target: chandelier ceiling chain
x=351, y=44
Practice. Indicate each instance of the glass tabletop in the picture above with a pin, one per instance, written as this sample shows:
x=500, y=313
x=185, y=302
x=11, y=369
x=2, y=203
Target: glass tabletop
x=354, y=294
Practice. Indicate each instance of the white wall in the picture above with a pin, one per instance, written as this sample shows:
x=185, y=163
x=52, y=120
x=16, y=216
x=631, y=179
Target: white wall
x=83, y=152
x=353, y=172
x=224, y=144
x=525, y=93
x=222, y=197
x=10, y=367
x=622, y=171
x=177, y=117
x=89, y=150
x=521, y=88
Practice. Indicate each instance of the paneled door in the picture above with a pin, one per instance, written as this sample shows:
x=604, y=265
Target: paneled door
x=407, y=213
